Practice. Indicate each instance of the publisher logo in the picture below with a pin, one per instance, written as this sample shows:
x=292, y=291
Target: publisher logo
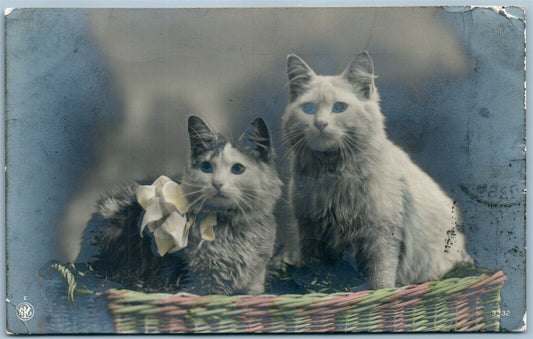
x=25, y=311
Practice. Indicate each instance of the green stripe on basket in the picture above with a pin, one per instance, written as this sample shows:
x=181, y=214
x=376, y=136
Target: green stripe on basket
x=214, y=313
x=364, y=313
x=286, y=311
x=452, y=285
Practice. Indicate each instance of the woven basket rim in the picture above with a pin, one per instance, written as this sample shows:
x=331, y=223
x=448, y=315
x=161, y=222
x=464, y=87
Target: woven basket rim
x=452, y=304
x=438, y=286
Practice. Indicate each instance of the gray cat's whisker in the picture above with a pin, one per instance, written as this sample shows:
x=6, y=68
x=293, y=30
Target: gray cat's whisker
x=192, y=185
x=192, y=192
x=199, y=207
x=195, y=201
x=266, y=192
x=251, y=202
x=249, y=192
x=242, y=203
x=244, y=194
x=237, y=203
x=237, y=200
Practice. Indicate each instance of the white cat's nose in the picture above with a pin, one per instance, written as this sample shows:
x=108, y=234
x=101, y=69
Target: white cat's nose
x=217, y=185
x=320, y=124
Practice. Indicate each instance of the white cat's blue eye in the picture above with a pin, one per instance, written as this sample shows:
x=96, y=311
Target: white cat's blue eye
x=237, y=168
x=339, y=107
x=308, y=108
x=206, y=167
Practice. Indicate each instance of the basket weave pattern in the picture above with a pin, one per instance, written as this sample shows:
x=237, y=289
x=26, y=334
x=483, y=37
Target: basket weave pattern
x=455, y=304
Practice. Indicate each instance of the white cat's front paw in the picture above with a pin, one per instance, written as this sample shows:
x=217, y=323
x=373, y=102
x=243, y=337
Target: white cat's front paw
x=378, y=281
x=256, y=289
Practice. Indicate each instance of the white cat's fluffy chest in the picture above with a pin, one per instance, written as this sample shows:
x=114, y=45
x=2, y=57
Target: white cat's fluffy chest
x=349, y=199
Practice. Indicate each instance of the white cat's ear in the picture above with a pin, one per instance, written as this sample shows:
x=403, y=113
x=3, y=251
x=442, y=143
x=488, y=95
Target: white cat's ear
x=256, y=140
x=202, y=137
x=299, y=74
x=360, y=74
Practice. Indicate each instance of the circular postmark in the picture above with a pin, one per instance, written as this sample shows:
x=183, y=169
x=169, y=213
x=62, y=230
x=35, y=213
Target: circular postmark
x=25, y=311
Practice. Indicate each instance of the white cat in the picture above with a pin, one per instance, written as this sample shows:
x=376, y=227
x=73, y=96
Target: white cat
x=352, y=188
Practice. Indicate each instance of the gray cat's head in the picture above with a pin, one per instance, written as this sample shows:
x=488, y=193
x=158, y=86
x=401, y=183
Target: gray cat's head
x=332, y=113
x=230, y=176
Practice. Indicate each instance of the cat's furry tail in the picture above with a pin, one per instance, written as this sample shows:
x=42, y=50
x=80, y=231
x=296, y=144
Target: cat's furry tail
x=114, y=247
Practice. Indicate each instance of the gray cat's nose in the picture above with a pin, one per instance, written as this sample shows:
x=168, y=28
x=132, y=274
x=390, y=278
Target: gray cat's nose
x=217, y=185
x=320, y=125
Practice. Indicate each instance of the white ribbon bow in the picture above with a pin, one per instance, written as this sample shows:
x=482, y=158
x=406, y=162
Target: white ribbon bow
x=166, y=208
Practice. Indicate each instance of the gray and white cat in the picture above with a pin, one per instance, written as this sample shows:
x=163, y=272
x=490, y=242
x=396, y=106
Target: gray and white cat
x=353, y=189
x=240, y=183
x=236, y=180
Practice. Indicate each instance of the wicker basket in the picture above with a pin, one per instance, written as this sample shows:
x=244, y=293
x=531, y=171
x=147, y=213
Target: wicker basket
x=469, y=303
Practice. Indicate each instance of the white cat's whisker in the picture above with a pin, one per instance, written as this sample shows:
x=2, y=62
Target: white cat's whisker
x=346, y=149
x=295, y=148
x=301, y=147
x=291, y=134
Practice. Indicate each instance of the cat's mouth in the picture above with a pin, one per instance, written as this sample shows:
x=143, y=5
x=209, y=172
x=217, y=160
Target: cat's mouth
x=218, y=201
x=320, y=142
x=213, y=208
x=218, y=197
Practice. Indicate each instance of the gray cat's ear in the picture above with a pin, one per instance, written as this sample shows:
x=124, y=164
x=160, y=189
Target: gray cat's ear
x=202, y=137
x=360, y=73
x=256, y=140
x=299, y=74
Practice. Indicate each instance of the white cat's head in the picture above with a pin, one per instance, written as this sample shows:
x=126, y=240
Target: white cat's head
x=332, y=113
x=226, y=176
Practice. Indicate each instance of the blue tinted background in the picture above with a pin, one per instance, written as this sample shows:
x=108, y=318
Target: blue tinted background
x=76, y=80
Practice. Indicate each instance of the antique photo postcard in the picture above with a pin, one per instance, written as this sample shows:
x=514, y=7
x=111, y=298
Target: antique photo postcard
x=265, y=170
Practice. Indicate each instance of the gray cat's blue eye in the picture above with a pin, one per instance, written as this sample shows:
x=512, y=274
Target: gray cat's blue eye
x=206, y=167
x=308, y=108
x=237, y=168
x=339, y=107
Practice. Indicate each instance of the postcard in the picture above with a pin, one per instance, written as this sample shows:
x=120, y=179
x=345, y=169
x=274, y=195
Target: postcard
x=265, y=170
